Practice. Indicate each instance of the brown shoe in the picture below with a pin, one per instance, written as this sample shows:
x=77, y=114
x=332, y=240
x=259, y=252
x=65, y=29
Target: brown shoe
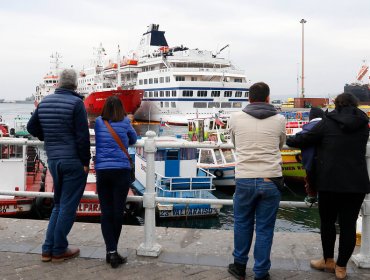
x=46, y=257
x=68, y=254
x=328, y=266
x=340, y=272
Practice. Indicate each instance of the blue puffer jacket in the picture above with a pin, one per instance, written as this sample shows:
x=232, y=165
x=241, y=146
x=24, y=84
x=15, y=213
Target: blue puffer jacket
x=308, y=154
x=108, y=153
x=61, y=120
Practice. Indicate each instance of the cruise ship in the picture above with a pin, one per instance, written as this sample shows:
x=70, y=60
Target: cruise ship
x=180, y=83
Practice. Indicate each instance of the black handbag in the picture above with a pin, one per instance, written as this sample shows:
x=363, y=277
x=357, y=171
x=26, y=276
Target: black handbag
x=279, y=182
x=123, y=148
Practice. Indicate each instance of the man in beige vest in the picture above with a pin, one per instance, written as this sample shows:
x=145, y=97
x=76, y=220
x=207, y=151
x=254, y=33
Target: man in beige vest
x=258, y=133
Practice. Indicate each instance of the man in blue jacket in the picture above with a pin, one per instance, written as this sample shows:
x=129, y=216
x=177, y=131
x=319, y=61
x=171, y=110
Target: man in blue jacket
x=61, y=121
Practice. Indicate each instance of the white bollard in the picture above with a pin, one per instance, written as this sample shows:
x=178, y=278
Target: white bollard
x=149, y=248
x=362, y=259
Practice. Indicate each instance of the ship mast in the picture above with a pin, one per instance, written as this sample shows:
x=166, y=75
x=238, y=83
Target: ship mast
x=55, y=59
x=118, y=68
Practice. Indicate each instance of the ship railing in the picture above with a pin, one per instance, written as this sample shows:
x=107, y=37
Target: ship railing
x=200, y=69
x=150, y=246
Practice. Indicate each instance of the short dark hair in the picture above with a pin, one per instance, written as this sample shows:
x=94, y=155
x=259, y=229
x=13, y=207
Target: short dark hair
x=113, y=109
x=345, y=100
x=259, y=92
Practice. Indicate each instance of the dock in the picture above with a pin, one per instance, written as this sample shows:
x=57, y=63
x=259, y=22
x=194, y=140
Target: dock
x=186, y=254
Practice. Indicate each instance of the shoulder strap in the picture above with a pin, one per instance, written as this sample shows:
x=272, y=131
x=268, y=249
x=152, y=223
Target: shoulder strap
x=117, y=139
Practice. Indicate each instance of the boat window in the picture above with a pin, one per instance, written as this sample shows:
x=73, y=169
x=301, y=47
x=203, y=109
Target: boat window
x=10, y=151
x=193, y=79
x=173, y=104
x=229, y=156
x=200, y=104
x=213, y=104
x=238, y=80
x=168, y=94
x=166, y=104
x=168, y=79
x=145, y=94
x=228, y=93
x=150, y=94
x=225, y=104
x=202, y=93
x=161, y=104
x=187, y=93
x=161, y=80
x=215, y=93
x=206, y=157
x=174, y=93
x=156, y=94
x=172, y=154
x=150, y=81
x=161, y=93
x=237, y=104
x=246, y=94
x=145, y=81
x=156, y=80
x=188, y=154
x=238, y=94
x=159, y=155
x=218, y=156
x=180, y=78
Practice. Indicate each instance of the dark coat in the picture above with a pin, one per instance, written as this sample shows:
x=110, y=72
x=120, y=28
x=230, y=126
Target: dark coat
x=61, y=121
x=109, y=155
x=340, y=140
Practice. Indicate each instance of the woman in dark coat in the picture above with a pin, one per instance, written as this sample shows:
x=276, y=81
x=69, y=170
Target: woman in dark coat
x=113, y=173
x=342, y=178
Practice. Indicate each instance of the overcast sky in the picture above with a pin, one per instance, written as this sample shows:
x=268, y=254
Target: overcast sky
x=264, y=37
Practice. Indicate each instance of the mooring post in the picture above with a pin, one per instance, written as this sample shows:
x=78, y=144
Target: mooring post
x=150, y=247
x=362, y=259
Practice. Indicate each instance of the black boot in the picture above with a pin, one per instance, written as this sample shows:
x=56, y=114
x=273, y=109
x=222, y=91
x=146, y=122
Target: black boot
x=237, y=270
x=115, y=259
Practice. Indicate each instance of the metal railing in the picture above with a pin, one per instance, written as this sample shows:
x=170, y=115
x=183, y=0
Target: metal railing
x=150, y=247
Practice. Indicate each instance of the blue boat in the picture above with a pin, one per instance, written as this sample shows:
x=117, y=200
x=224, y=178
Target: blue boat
x=176, y=177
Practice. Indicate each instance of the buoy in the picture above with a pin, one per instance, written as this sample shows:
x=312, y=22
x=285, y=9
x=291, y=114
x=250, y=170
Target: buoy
x=358, y=230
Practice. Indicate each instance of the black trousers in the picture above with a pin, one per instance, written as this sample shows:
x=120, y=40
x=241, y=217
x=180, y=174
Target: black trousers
x=345, y=207
x=113, y=186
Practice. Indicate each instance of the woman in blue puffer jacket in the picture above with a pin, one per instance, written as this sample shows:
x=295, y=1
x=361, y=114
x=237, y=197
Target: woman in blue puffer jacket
x=113, y=173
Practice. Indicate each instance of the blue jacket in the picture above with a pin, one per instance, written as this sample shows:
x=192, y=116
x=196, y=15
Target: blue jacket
x=308, y=154
x=61, y=121
x=108, y=153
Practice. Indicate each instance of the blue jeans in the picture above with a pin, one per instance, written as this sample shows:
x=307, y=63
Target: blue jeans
x=69, y=180
x=113, y=186
x=255, y=201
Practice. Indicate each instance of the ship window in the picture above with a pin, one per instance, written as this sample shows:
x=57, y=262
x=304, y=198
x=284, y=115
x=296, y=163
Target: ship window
x=156, y=94
x=246, y=94
x=150, y=81
x=206, y=157
x=168, y=93
x=166, y=104
x=228, y=93
x=218, y=156
x=237, y=104
x=150, y=94
x=188, y=154
x=213, y=104
x=180, y=78
x=168, y=79
x=202, y=93
x=156, y=80
x=161, y=93
x=215, y=93
x=200, y=104
x=145, y=81
x=229, y=156
x=173, y=104
x=161, y=80
x=145, y=94
x=225, y=104
x=174, y=93
x=161, y=104
x=187, y=93
x=238, y=80
x=238, y=94
x=193, y=79
x=159, y=155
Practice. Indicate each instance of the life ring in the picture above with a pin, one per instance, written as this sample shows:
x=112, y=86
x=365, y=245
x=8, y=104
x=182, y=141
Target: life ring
x=219, y=173
x=299, y=116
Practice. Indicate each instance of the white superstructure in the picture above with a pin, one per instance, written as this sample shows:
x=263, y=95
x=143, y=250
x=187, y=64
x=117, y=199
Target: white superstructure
x=180, y=83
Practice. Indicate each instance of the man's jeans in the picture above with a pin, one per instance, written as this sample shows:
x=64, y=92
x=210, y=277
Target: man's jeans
x=69, y=180
x=255, y=200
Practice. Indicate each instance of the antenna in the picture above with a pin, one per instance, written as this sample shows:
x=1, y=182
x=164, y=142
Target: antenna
x=55, y=59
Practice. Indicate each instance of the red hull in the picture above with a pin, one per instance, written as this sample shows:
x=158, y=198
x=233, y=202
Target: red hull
x=131, y=100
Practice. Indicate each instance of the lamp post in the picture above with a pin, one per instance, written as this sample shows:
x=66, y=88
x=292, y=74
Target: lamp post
x=303, y=21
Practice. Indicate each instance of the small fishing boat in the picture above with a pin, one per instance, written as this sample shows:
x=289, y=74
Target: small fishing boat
x=176, y=176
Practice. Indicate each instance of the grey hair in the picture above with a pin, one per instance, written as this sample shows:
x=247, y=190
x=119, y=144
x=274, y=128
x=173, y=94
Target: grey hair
x=68, y=79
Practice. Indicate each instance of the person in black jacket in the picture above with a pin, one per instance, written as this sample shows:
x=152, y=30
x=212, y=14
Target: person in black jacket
x=61, y=121
x=342, y=178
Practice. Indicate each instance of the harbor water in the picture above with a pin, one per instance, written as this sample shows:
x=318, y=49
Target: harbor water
x=289, y=219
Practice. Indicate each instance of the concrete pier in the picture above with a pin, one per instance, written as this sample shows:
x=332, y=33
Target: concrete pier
x=186, y=254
